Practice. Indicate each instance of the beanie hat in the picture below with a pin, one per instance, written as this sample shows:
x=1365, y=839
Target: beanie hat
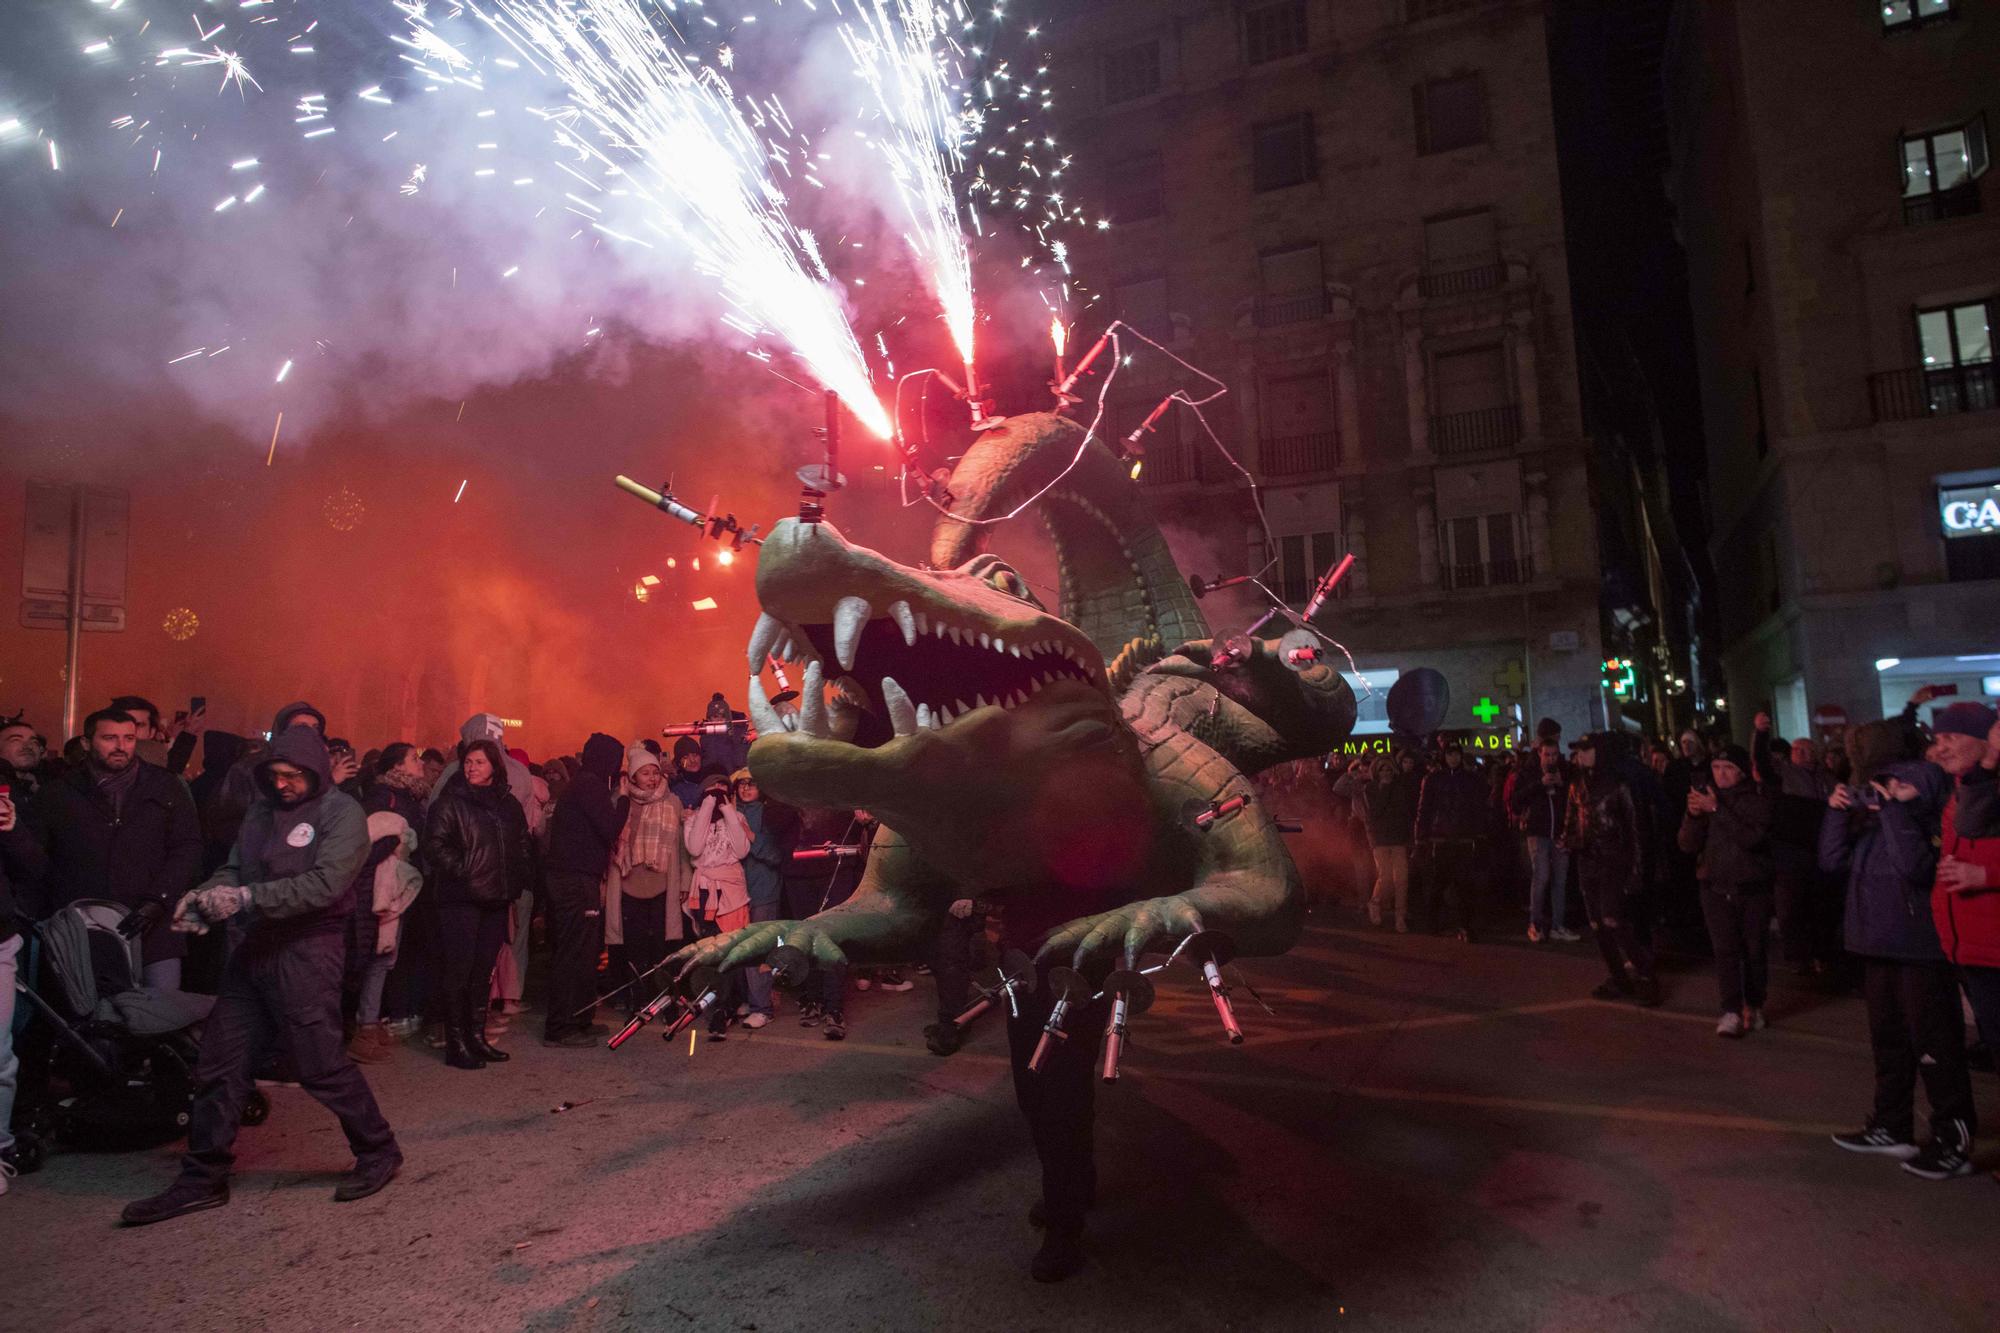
x=741, y=775
x=637, y=756
x=710, y=772
x=686, y=745
x=1737, y=755
x=1963, y=718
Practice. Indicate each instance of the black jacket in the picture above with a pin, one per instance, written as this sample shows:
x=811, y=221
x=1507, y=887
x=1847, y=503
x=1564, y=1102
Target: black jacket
x=476, y=845
x=1389, y=809
x=588, y=819
x=149, y=850
x=1735, y=841
x=1452, y=804
x=13, y=854
x=1536, y=806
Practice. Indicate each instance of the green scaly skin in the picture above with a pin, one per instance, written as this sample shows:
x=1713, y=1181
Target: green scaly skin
x=963, y=807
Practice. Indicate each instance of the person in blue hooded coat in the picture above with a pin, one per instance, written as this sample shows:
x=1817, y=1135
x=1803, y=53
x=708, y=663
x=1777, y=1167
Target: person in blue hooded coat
x=1881, y=833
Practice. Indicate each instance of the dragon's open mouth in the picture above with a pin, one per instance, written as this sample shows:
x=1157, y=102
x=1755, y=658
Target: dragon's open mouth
x=912, y=670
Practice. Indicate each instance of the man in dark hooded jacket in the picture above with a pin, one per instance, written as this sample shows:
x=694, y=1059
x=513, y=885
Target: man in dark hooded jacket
x=290, y=880
x=583, y=832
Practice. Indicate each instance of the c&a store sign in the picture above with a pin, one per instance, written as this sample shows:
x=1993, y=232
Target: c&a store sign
x=1969, y=511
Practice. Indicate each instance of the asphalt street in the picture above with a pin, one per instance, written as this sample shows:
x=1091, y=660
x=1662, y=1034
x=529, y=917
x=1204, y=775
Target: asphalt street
x=1421, y=1135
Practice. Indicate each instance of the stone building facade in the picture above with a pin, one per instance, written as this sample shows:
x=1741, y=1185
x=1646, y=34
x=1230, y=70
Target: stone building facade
x=1349, y=212
x=1844, y=252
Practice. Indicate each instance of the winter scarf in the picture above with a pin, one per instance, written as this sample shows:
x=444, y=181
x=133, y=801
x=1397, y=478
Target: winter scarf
x=653, y=831
x=116, y=786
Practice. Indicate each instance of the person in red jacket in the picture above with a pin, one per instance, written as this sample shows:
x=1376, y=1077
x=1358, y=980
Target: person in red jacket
x=1966, y=900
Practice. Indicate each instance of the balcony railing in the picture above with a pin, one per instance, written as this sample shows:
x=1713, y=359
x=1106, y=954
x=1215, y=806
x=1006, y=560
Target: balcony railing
x=1481, y=277
x=1486, y=574
x=1271, y=311
x=1905, y=395
x=1291, y=455
x=1477, y=431
x=1169, y=462
x=1960, y=201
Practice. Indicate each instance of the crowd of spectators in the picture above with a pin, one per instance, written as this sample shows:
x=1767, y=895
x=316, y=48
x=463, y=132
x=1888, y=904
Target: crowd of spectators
x=350, y=908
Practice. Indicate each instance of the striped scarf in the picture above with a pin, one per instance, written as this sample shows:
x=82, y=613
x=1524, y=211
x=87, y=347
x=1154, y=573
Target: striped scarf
x=653, y=832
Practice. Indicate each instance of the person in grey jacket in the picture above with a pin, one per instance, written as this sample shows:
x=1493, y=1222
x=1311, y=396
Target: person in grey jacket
x=288, y=886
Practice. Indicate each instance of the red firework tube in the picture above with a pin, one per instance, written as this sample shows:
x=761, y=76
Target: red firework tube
x=640, y=1019
x=824, y=853
x=1132, y=440
x=688, y=1015
x=1219, y=993
x=1084, y=365
x=1328, y=584
x=778, y=673
x=710, y=728
x=979, y=1007
x=1221, y=808
x=1114, y=1036
x=1052, y=1032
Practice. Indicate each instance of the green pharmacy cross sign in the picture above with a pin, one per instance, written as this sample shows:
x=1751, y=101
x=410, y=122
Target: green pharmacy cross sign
x=1485, y=710
x=1620, y=677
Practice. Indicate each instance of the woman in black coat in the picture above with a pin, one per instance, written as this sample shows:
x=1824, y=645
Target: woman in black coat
x=478, y=858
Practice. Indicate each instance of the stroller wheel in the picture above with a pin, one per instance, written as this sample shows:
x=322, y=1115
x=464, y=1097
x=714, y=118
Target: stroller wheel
x=30, y=1152
x=258, y=1109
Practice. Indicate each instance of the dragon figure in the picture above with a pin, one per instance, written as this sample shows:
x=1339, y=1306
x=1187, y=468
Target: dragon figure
x=1047, y=763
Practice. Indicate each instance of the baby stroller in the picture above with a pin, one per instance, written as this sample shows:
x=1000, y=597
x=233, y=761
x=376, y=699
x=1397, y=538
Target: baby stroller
x=105, y=1061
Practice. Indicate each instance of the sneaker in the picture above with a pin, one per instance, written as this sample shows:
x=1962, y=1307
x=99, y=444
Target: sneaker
x=896, y=981
x=755, y=1020
x=836, y=1026
x=180, y=1198
x=1948, y=1154
x=743, y=1009
x=1563, y=936
x=1534, y=935
x=923, y=969
x=371, y=1045
x=400, y=1028
x=810, y=1015
x=1757, y=1023
x=1875, y=1139
x=718, y=1034
x=1731, y=1025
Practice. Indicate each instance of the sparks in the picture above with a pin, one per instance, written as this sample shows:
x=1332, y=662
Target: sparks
x=461, y=491
x=272, y=452
x=283, y=371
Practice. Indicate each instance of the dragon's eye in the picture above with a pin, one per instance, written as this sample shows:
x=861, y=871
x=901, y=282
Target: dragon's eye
x=997, y=573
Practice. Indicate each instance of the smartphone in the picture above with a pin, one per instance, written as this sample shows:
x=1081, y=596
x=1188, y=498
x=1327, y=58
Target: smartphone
x=198, y=703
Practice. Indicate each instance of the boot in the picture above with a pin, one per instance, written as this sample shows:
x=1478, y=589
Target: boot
x=475, y=1033
x=371, y=1045
x=458, y=1053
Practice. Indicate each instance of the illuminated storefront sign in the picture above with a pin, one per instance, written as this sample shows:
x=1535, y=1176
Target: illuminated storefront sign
x=1969, y=511
x=1496, y=742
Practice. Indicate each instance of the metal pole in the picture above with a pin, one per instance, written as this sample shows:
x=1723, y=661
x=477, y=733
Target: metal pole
x=74, y=647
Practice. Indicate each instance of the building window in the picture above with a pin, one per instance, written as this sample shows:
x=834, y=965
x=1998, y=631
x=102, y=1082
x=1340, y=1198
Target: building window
x=1300, y=431
x=1451, y=113
x=1955, y=347
x=1472, y=403
x=1131, y=72
x=1303, y=559
x=1272, y=32
x=1143, y=305
x=1282, y=153
x=1900, y=14
x=1291, y=286
x=1940, y=170
x=1484, y=551
x=1136, y=189
x=1461, y=254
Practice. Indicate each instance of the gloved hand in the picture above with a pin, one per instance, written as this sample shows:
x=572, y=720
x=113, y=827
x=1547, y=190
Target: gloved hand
x=141, y=919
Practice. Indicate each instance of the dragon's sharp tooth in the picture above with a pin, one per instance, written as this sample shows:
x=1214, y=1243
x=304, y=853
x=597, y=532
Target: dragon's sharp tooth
x=999, y=645
x=923, y=623
x=762, y=716
x=942, y=717
x=849, y=615
x=812, y=702
x=925, y=719
x=985, y=639
x=764, y=638
x=906, y=621
x=902, y=713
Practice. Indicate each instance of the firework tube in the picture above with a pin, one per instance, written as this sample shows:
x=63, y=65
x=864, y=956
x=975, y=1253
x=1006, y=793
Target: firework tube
x=664, y=503
x=778, y=672
x=1218, y=809
x=1130, y=994
x=1066, y=985
x=1096, y=349
x=709, y=987
x=1132, y=444
x=825, y=852
x=1202, y=588
x=642, y=1018
x=1326, y=585
x=1211, y=949
x=979, y=1006
x=715, y=728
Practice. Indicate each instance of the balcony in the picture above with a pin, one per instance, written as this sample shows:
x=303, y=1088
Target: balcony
x=1486, y=574
x=1960, y=201
x=1480, y=431
x=1170, y=463
x=1293, y=455
x=1271, y=312
x=1481, y=277
x=1905, y=395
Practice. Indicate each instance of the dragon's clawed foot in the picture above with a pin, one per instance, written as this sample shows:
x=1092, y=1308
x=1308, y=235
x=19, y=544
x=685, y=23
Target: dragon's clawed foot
x=754, y=943
x=1120, y=936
